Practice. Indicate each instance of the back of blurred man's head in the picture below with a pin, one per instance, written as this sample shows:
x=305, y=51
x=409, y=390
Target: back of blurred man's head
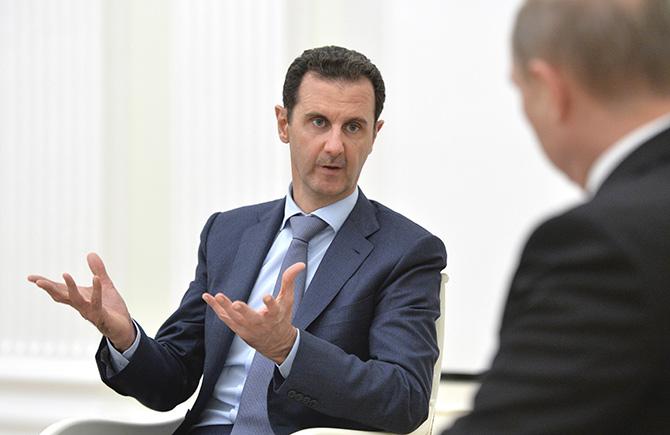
x=613, y=47
x=589, y=72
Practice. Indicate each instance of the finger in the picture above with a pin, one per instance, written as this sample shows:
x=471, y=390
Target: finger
x=209, y=300
x=223, y=300
x=98, y=267
x=238, y=311
x=76, y=299
x=216, y=306
x=246, y=314
x=96, y=295
x=58, y=292
x=272, y=306
x=41, y=282
x=35, y=278
x=222, y=314
x=288, y=282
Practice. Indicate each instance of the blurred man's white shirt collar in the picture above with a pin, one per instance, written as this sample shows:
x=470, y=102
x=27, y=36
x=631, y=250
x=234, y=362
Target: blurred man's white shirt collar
x=610, y=159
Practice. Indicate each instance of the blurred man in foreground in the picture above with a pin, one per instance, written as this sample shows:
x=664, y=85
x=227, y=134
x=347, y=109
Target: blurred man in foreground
x=585, y=336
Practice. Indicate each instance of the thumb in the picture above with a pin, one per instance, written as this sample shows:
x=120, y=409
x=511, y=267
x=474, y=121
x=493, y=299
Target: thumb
x=98, y=267
x=288, y=279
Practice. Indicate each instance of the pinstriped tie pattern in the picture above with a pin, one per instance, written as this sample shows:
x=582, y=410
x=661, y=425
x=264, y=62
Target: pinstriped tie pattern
x=252, y=416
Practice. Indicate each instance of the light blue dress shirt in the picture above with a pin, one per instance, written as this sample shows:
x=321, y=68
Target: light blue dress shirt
x=223, y=405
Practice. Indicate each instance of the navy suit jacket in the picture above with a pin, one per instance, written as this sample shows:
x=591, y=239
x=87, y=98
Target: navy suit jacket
x=367, y=324
x=585, y=336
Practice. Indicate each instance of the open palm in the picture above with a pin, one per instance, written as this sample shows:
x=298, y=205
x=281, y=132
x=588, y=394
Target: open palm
x=100, y=303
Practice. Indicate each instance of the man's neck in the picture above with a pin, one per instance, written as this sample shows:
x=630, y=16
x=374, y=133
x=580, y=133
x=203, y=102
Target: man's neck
x=309, y=205
x=605, y=128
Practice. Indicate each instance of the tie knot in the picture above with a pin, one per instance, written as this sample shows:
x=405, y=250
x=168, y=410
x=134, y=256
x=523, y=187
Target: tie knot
x=306, y=227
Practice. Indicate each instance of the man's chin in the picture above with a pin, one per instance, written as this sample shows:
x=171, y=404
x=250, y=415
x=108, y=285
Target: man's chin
x=331, y=193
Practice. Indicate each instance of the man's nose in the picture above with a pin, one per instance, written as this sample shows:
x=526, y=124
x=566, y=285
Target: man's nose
x=334, y=144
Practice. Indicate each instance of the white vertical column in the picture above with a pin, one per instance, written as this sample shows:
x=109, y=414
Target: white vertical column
x=137, y=154
x=50, y=178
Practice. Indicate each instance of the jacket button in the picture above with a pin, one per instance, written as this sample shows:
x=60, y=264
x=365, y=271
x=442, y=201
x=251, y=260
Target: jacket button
x=313, y=403
x=291, y=394
x=298, y=396
x=306, y=400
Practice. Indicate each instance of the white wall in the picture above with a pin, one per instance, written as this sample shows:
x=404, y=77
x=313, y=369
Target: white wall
x=124, y=124
x=50, y=166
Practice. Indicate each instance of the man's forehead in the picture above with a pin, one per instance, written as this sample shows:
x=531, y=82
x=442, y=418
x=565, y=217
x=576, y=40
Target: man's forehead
x=318, y=91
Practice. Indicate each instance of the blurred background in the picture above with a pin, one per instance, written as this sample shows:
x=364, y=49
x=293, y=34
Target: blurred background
x=125, y=123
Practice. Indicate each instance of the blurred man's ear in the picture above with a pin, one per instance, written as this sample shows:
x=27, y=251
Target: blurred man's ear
x=282, y=123
x=551, y=87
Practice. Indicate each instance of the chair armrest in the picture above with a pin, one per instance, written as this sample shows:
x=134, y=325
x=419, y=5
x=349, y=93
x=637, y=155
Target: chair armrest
x=87, y=426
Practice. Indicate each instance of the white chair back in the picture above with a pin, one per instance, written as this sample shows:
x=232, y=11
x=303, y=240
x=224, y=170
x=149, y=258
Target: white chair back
x=426, y=427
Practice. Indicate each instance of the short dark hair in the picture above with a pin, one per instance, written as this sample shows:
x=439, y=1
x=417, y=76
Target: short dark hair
x=335, y=63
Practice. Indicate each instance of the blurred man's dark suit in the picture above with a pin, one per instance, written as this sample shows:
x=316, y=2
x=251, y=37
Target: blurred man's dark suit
x=585, y=335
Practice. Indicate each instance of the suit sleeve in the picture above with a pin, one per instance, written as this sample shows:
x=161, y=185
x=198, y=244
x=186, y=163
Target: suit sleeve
x=575, y=354
x=165, y=371
x=390, y=390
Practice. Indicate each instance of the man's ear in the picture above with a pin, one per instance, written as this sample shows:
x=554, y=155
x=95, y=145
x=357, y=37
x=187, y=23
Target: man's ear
x=378, y=126
x=282, y=123
x=552, y=87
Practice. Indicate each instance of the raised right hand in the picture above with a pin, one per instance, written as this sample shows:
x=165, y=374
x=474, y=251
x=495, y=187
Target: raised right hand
x=100, y=304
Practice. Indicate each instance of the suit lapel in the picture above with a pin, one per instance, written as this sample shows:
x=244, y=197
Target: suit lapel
x=237, y=285
x=342, y=259
x=254, y=246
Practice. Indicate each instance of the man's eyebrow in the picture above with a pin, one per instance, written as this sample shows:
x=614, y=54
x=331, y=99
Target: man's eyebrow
x=314, y=115
x=357, y=119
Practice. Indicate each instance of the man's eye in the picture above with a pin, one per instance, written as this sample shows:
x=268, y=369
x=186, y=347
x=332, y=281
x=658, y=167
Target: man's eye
x=319, y=122
x=352, y=127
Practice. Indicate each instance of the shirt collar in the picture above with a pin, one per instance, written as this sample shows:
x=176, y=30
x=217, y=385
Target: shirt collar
x=333, y=214
x=612, y=157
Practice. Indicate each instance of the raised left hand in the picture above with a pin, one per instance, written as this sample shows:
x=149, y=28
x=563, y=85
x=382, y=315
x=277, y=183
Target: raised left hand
x=268, y=330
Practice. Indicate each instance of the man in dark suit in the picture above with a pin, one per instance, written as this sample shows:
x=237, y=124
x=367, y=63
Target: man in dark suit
x=359, y=348
x=584, y=341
